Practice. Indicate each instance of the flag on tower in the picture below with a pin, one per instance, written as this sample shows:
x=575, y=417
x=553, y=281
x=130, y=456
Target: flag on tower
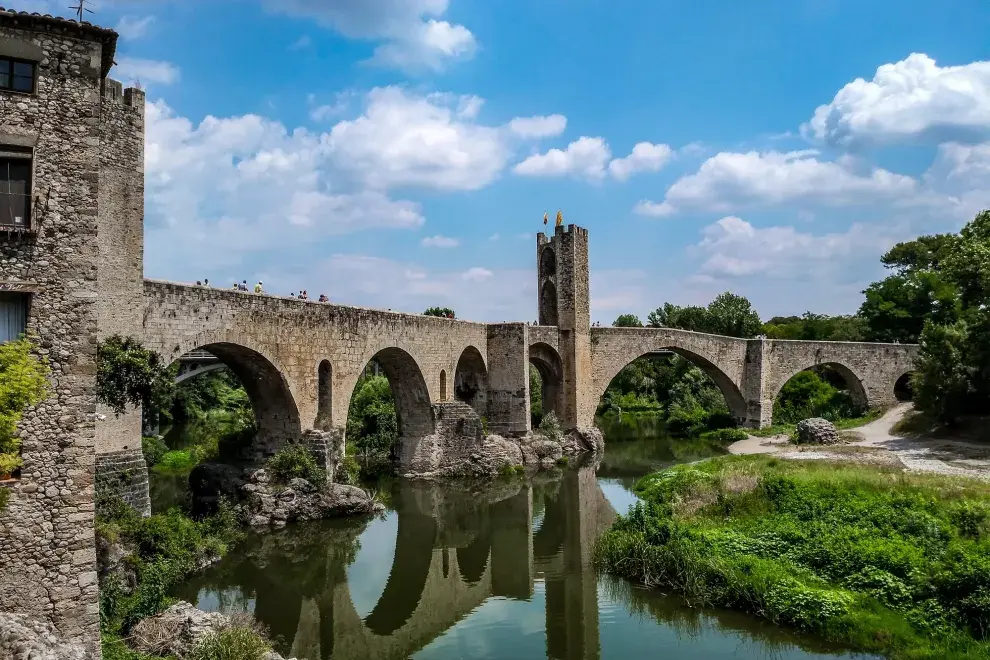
x=545, y=217
x=560, y=218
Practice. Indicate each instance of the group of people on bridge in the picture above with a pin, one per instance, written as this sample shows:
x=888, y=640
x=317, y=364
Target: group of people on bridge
x=260, y=288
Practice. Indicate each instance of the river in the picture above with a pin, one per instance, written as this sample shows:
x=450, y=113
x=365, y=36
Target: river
x=482, y=571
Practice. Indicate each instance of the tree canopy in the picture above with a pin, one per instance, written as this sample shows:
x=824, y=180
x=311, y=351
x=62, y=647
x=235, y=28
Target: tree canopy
x=129, y=373
x=627, y=321
x=444, y=312
x=729, y=314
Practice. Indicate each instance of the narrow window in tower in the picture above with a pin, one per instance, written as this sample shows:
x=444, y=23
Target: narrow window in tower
x=16, y=75
x=15, y=187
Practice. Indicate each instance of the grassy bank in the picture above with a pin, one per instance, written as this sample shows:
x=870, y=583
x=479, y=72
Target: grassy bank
x=840, y=423
x=879, y=560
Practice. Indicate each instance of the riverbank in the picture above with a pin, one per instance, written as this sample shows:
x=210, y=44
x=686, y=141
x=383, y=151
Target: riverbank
x=885, y=442
x=870, y=557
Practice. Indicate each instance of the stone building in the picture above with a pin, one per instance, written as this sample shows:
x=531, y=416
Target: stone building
x=71, y=199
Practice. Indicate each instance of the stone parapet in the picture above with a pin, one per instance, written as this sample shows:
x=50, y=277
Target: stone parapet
x=125, y=473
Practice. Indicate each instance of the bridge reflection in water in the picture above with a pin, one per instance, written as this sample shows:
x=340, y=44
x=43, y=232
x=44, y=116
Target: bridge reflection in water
x=455, y=549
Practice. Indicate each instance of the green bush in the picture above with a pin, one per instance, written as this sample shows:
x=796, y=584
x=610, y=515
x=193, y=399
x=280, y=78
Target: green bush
x=23, y=383
x=295, y=461
x=808, y=395
x=127, y=373
x=878, y=560
x=550, y=427
x=372, y=424
x=726, y=436
x=153, y=449
x=232, y=643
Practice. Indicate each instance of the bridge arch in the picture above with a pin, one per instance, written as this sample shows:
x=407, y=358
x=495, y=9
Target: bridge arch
x=264, y=379
x=471, y=380
x=548, y=364
x=726, y=385
x=854, y=384
x=413, y=407
x=903, y=387
x=324, y=396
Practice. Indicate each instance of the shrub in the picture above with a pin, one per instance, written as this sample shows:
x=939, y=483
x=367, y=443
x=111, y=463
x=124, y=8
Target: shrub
x=726, y=436
x=877, y=560
x=295, y=461
x=550, y=427
x=128, y=373
x=23, y=383
x=153, y=449
x=232, y=643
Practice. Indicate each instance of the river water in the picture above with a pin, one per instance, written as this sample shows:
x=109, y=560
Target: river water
x=499, y=570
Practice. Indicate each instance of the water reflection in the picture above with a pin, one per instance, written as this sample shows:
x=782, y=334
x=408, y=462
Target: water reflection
x=494, y=571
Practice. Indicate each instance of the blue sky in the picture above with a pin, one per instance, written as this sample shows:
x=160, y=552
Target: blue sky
x=401, y=153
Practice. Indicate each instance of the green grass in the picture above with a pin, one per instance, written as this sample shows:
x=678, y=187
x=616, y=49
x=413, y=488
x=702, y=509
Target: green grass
x=878, y=560
x=840, y=424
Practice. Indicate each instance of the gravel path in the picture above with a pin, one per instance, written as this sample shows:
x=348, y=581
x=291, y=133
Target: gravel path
x=875, y=444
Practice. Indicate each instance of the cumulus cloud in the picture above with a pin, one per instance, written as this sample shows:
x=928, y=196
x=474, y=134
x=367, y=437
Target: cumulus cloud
x=645, y=157
x=538, y=127
x=413, y=33
x=477, y=274
x=911, y=101
x=440, y=242
x=133, y=70
x=130, y=27
x=591, y=158
x=732, y=247
x=728, y=181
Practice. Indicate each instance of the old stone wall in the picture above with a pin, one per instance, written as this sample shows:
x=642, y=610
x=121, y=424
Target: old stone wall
x=46, y=532
x=120, y=275
x=508, y=379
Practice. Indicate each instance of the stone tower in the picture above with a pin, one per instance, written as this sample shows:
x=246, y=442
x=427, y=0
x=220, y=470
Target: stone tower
x=564, y=301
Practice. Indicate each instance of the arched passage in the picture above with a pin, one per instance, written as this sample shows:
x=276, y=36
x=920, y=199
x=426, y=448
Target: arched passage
x=904, y=388
x=324, y=397
x=548, y=304
x=550, y=369
x=687, y=388
x=548, y=263
x=275, y=412
x=388, y=416
x=829, y=389
x=471, y=380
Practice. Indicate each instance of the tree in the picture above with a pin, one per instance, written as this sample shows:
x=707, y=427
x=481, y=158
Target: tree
x=684, y=318
x=444, y=312
x=129, y=373
x=627, y=321
x=23, y=383
x=733, y=316
x=372, y=424
x=896, y=308
x=923, y=253
x=816, y=327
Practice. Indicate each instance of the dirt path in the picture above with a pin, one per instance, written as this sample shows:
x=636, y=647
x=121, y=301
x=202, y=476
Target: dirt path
x=874, y=443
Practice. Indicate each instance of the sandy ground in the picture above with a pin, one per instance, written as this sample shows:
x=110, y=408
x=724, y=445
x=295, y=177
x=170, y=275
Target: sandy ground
x=876, y=445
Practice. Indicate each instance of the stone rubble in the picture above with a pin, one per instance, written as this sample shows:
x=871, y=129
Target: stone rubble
x=816, y=431
x=268, y=504
x=22, y=638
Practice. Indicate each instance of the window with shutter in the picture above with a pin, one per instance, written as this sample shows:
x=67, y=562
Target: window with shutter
x=13, y=315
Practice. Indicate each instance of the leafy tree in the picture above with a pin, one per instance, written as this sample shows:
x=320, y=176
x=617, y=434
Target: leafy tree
x=896, y=308
x=445, y=312
x=923, y=253
x=535, y=396
x=128, y=373
x=942, y=384
x=807, y=394
x=372, y=425
x=627, y=321
x=23, y=383
x=729, y=314
x=816, y=327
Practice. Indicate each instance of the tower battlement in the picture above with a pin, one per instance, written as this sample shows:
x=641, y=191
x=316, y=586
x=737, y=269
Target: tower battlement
x=131, y=97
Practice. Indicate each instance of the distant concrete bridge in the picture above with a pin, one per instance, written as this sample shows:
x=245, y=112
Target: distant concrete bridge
x=196, y=363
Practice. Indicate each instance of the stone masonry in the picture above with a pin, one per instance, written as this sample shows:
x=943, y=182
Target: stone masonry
x=79, y=262
x=46, y=532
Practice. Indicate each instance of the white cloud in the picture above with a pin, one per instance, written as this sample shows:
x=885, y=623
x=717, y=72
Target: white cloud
x=129, y=27
x=591, y=158
x=585, y=157
x=440, y=242
x=415, y=36
x=644, y=157
x=728, y=181
x=477, y=274
x=226, y=188
x=538, y=127
x=133, y=70
x=911, y=101
x=732, y=247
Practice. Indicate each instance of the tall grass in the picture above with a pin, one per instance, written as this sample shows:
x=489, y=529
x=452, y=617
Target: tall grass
x=878, y=560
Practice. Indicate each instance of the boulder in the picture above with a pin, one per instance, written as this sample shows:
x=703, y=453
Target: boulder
x=585, y=439
x=265, y=504
x=816, y=431
x=23, y=638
